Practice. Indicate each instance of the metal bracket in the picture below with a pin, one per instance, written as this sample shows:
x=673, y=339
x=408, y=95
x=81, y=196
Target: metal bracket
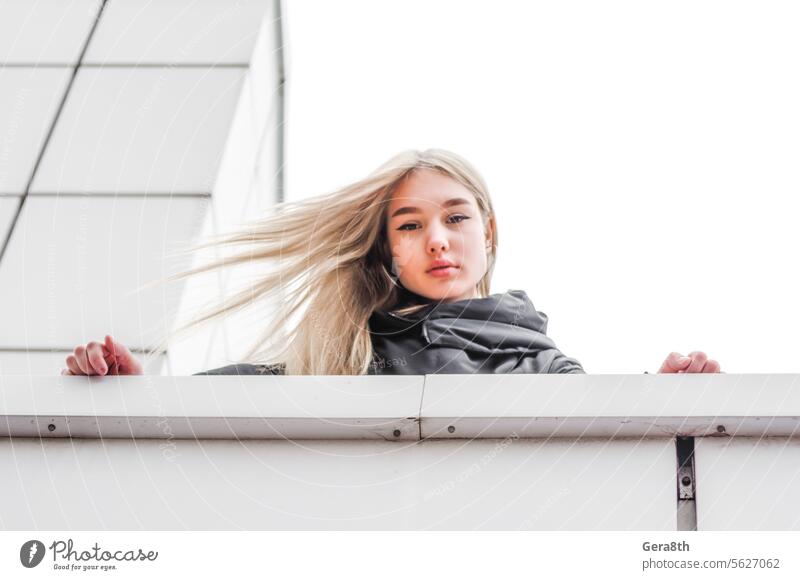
x=685, y=449
x=687, y=508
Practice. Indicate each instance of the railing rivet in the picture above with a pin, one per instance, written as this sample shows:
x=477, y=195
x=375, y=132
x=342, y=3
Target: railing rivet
x=397, y=432
x=686, y=480
x=51, y=427
x=451, y=429
x=720, y=428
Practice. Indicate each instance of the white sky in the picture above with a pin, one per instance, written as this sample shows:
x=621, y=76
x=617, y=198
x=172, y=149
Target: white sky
x=643, y=158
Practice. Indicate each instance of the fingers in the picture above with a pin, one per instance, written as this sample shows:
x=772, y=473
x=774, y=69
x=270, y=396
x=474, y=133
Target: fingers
x=110, y=346
x=94, y=354
x=72, y=365
x=83, y=361
x=123, y=362
x=696, y=362
x=102, y=358
x=80, y=358
x=702, y=364
x=675, y=363
x=87, y=360
x=699, y=359
x=111, y=355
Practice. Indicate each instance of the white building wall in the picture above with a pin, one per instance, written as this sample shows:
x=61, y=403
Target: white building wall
x=126, y=130
x=84, y=484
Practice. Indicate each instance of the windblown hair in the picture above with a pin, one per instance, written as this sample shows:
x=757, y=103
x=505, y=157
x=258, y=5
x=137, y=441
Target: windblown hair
x=333, y=267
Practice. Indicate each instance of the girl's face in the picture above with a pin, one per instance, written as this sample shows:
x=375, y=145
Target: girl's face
x=433, y=221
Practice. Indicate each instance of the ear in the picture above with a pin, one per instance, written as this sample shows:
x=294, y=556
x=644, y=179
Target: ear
x=490, y=233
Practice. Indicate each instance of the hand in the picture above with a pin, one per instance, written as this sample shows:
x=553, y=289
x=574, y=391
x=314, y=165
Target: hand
x=696, y=362
x=109, y=358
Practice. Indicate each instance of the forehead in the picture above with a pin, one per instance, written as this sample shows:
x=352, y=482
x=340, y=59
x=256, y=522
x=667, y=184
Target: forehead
x=428, y=189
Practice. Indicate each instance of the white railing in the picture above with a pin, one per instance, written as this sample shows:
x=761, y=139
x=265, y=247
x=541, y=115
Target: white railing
x=659, y=452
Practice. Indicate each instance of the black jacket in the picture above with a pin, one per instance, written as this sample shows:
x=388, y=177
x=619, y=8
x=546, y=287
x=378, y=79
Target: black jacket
x=502, y=333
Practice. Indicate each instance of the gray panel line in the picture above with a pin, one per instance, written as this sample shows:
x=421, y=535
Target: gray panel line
x=281, y=94
x=49, y=134
x=57, y=349
x=36, y=65
x=118, y=195
x=126, y=65
x=169, y=65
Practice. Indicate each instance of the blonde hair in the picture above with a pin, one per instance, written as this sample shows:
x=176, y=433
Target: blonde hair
x=333, y=258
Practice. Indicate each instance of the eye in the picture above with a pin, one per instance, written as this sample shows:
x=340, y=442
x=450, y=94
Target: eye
x=457, y=219
x=463, y=217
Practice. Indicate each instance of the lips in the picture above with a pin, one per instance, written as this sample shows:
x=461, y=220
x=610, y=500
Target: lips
x=441, y=265
x=443, y=269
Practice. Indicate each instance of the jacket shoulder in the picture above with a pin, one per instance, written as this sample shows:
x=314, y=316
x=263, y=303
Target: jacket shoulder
x=246, y=369
x=565, y=365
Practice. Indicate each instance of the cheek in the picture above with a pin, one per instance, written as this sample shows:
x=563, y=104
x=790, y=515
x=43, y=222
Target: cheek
x=402, y=247
x=474, y=248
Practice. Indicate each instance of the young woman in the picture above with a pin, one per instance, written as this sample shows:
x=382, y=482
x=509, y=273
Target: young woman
x=390, y=275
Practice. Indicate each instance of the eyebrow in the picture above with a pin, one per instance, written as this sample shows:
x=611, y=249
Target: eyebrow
x=448, y=203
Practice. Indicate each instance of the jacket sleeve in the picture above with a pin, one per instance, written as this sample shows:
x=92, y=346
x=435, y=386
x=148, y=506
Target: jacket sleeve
x=245, y=369
x=563, y=365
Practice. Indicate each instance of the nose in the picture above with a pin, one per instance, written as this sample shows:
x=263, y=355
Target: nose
x=437, y=242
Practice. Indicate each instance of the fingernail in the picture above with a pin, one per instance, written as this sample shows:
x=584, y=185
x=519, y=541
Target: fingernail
x=684, y=359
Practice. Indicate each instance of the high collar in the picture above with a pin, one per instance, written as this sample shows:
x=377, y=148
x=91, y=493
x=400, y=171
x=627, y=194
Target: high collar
x=406, y=298
x=512, y=308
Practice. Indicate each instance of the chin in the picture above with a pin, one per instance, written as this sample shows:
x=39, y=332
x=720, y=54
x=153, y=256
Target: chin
x=443, y=290
x=451, y=294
